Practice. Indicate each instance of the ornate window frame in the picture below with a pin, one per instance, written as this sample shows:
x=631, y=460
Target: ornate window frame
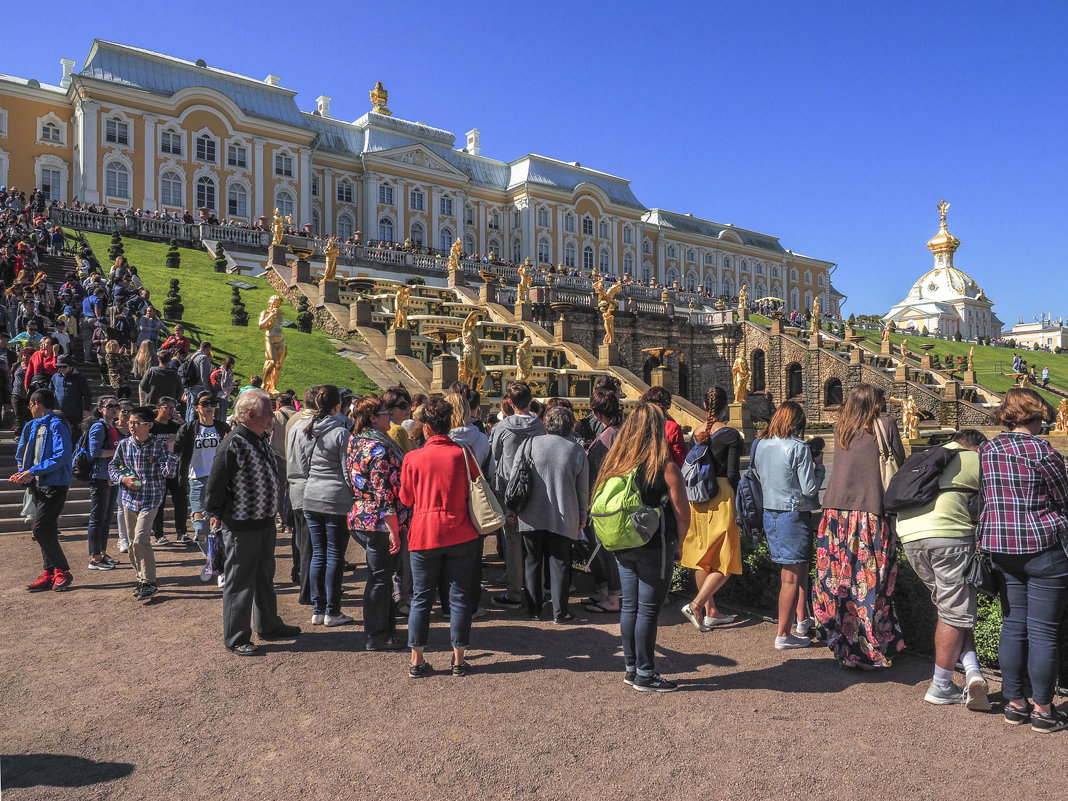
x=47, y=119
x=120, y=117
x=124, y=160
x=179, y=170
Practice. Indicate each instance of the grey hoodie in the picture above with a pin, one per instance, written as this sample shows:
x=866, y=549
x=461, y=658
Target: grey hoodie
x=479, y=443
x=298, y=456
x=505, y=440
x=327, y=490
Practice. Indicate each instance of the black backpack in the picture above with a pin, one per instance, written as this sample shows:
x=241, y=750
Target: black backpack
x=188, y=374
x=521, y=481
x=916, y=481
x=82, y=466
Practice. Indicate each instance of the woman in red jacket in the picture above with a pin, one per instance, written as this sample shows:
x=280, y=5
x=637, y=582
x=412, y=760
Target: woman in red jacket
x=444, y=545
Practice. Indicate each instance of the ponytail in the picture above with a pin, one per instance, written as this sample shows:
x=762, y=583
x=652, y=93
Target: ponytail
x=326, y=399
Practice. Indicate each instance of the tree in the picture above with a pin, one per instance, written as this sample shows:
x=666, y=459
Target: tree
x=172, y=306
x=957, y=336
x=852, y=320
x=174, y=258
x=415, y=280
x=220, y=260
x=926, y=331
x=238, y=315
x=304, y=315
x=1058, y=350
x=116, y=248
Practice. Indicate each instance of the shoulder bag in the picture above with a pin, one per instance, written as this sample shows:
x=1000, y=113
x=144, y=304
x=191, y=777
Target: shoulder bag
x=521, y=481
x=482, y=505
x=887, y=462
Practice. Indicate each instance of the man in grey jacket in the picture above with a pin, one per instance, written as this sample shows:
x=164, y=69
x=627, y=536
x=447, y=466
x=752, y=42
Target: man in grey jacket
x=505, y=440
x=201, y=367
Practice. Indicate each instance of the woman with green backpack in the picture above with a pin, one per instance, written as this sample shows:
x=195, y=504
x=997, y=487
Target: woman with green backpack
x=639, y=464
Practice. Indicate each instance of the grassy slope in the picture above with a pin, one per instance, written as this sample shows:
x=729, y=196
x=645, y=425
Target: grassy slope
x=206, y=297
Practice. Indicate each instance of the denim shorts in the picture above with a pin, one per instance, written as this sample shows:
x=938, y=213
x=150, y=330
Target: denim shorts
x=789, y=536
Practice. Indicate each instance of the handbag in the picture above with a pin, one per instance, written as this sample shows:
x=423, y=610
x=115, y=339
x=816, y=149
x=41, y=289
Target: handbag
x=887, y=462
x=521, y=481
x=979, y=574
x=482, y=505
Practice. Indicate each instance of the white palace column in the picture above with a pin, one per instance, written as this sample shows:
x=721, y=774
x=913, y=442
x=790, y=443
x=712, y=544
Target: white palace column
x=304, y=187
x=88, y=166
x=370, y=205
x=149, y=201
x=329, y=224
x=526, y=220
x=257, y=183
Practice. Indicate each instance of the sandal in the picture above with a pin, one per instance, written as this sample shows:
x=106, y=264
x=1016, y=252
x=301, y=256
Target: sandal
x=599, y=609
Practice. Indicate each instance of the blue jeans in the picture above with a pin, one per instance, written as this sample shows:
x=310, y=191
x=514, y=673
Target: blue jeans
x=645, y=583
x=201, y=526
x=379, y=608
x=1032, y=604
x=327, y=533
x=451, y=565
x=102, y=499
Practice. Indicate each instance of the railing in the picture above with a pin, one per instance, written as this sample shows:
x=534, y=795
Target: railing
x=163, y=229
x=151, y=228
x=645, y=306
x=250, y=237
x=68, y=218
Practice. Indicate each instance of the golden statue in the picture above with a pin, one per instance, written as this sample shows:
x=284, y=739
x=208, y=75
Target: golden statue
x=274, y=344
x=971, y=358
x=524, y=359
x=1061, y=426
x=522, y=292
x=904, y=349
x=278, y=226
x=743, y=298
x=910, y=418
x=400, y=310
x=607, y=305
x=407, y=243
x=379, y=98
x=455, y=252
x=816, y=314
x=331, y=252
x=472, y=371
x=740, y=374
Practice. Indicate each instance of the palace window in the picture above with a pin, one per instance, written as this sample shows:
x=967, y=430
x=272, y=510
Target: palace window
x=726, y=262
x=50, y=133
x=170, y=189
x=774, y=271
x=605, y=262
x=544, y=251
x=205, y=149
x=315, y=185
x=647, y=274
x=602, y=229
x=543, y=218
x=647, y=246
x=628, y=235
x=808, y=276
x=116, y=132
x=708, y=259
x=494, y=221
x=344, y=192
x=116, y=180
x=283, y=201
x=515, y=220
x=237, y=201
x=517, y=251
x=569, y=222
x=417, y=234
x=170, y=142
x=587, y=258
x=385, y=196
x=569, y=255
x=316, y=221
x=445, y=239
x=346, y=227
x=283, y=165
x=690, y=255
x=628, y=264
x=237, y=156
x=385, y=229
x=671, y=251
x=793, y=274
x=445, y=207
x=822, y=280
x=587, y=226
x=469, y=215
x=51, y=184
x=206, y=192
x=416, y=199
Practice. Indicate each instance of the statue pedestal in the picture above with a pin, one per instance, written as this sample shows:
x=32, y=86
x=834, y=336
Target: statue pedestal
x=884, y=348
x=360, y=314
x=739, y=417
x=276, y=256
x=776, y=327
x=301, y=273
x=925, y=362
x=524, y=312
x=661, y=377
x=561, y=330
x=399, y=342
x=457, y=278
x=969, y=378
x=743, y=314
x=815, y=340
x=328, y=292
x=901, y=373
x=487, y=293
x=607, y=355
x=856, y=356
x=951, y=391
x=445, y=372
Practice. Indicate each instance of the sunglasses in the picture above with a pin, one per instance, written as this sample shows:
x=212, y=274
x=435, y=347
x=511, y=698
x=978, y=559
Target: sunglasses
x=206, y=404
x=401, y=405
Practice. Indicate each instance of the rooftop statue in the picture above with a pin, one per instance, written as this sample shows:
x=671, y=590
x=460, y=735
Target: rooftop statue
x=379, y=98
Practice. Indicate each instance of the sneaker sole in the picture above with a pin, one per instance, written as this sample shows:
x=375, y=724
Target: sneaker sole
x=975, y=693
x=1051, y=730
x=939, y=701
x=641, y=689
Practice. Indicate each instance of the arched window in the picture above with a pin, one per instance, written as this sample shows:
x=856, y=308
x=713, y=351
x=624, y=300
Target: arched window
x=691, y=282
x=794, y=383
x=587, y=258
x=544, y=251
x=628, y=235
x=569, y=255
x=605, y=261
x=517, y=251
x=832, y=393
x=569, y=222
x=726, y=262
x=495, y=247
x=822, y=279
x=671, y=251
x=672, y=277
x=795, y=299
x=417, y=234
x=344, y=191
x=745, y=267
x=708, y=259
x=445, y=239
x=690, y=255
x=206, y=193
x=283, y=201
x=647, y=246
x=587, y=225
x=758, y=378
x=808, y=276
x=50, y=133
x=469, y=244
x=728, y=287
x=808, y=299
x=170, y=189
x=317, y=221
x=793, y=274
x=628, y=264
x=346, y=228
x=237, y=201
x=116, y=180
x=775, y=271
x=761, y=290
x=709, y=284
x=385, y=229
x=602, y=229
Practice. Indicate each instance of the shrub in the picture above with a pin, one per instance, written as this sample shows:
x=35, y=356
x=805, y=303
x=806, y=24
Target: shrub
x=220, y=261
x=926, y=331
x=852, y=320
x=115, y=249
x=238, y=315
x=416, y=280
x=174, y=258
x=957, y=336
x=1058, y=349
x=172, y=306
x=304, y=315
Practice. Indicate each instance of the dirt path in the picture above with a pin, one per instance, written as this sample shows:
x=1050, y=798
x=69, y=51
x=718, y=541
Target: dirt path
x=103, y=698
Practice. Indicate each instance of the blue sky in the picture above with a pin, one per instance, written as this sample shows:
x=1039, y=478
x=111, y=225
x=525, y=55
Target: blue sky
x=835, y=126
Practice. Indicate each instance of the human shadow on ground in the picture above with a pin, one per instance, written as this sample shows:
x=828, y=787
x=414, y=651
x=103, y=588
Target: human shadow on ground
x=57, y=770
x=819, y=676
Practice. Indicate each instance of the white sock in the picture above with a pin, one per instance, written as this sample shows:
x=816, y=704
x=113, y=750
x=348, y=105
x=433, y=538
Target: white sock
x=943, y=678
x=970, y=660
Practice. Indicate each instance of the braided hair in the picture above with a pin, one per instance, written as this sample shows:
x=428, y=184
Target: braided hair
x=328, y=397
x=715, y=405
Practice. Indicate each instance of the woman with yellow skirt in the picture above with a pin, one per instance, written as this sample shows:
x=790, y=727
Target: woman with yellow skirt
x=712, y=545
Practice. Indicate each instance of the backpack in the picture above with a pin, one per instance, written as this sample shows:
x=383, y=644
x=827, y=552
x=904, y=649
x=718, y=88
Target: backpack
x=749, y=501
x=521, y=481
x=916, y=481
x=188, y=375
x=82, y=466
x=699, y=472
x=620, y=518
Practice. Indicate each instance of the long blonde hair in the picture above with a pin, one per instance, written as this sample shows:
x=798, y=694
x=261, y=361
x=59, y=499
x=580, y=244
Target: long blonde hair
x=461, y=411
x=861, y=409
x=143, y=360
x=640, y=443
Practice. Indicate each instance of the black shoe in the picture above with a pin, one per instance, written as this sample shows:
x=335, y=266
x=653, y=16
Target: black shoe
x=1056, y=720
x=148, y=589
x=1016, y=715
x=629, y=675
x=462, y=669
x=505, y=602
x=244, y=649
x=564, y=619
x=384, y=644
x=419, y=671
x=184, y=539
x=282, y=632
x=654, y=684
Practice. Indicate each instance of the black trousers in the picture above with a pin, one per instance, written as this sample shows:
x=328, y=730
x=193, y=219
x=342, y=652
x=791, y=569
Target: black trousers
x=50, y=502
x=301, y=549
x=248, y=594
x=558, y=547
x=179, y=492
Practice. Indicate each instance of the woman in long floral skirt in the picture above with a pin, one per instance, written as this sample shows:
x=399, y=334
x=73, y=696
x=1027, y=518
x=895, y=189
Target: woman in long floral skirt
x=856, y=552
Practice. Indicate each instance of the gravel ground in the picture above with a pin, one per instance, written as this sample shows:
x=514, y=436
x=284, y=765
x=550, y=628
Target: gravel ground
x=105, y=698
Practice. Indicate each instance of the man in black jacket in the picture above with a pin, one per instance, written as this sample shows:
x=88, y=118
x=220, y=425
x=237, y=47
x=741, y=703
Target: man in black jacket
x=73, y=395
x=160, y=381
x=242, y=496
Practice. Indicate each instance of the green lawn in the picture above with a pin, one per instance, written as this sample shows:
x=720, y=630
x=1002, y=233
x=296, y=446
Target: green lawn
x=311, y=359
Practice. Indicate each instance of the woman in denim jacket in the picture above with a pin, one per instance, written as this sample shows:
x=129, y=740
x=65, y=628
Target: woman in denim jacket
x=787, y=473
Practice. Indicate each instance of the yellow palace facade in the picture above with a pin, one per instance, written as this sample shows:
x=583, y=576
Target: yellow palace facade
x=137, y=129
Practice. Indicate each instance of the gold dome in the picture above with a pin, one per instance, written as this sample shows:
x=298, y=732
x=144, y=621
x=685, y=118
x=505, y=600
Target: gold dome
x=943, y=241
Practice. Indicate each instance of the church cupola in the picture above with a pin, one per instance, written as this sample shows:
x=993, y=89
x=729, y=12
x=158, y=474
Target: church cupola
x=943, y=244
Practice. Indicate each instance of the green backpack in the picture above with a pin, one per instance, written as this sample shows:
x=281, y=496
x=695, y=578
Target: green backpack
x=620, y=518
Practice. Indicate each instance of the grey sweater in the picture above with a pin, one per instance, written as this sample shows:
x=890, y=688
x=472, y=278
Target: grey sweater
x=327, y=490
x=560, y=496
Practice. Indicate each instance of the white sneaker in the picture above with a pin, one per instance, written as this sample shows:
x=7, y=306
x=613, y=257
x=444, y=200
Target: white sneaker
x=689, y=615
x=712, y=622
x=975, y=689
x=221, y=580
x=790, y=642
x=338, y=620
x=124, y=546
x=803, y=627
x=317, y=620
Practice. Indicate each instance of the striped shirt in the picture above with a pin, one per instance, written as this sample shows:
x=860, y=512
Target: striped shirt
x=1024, y=494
